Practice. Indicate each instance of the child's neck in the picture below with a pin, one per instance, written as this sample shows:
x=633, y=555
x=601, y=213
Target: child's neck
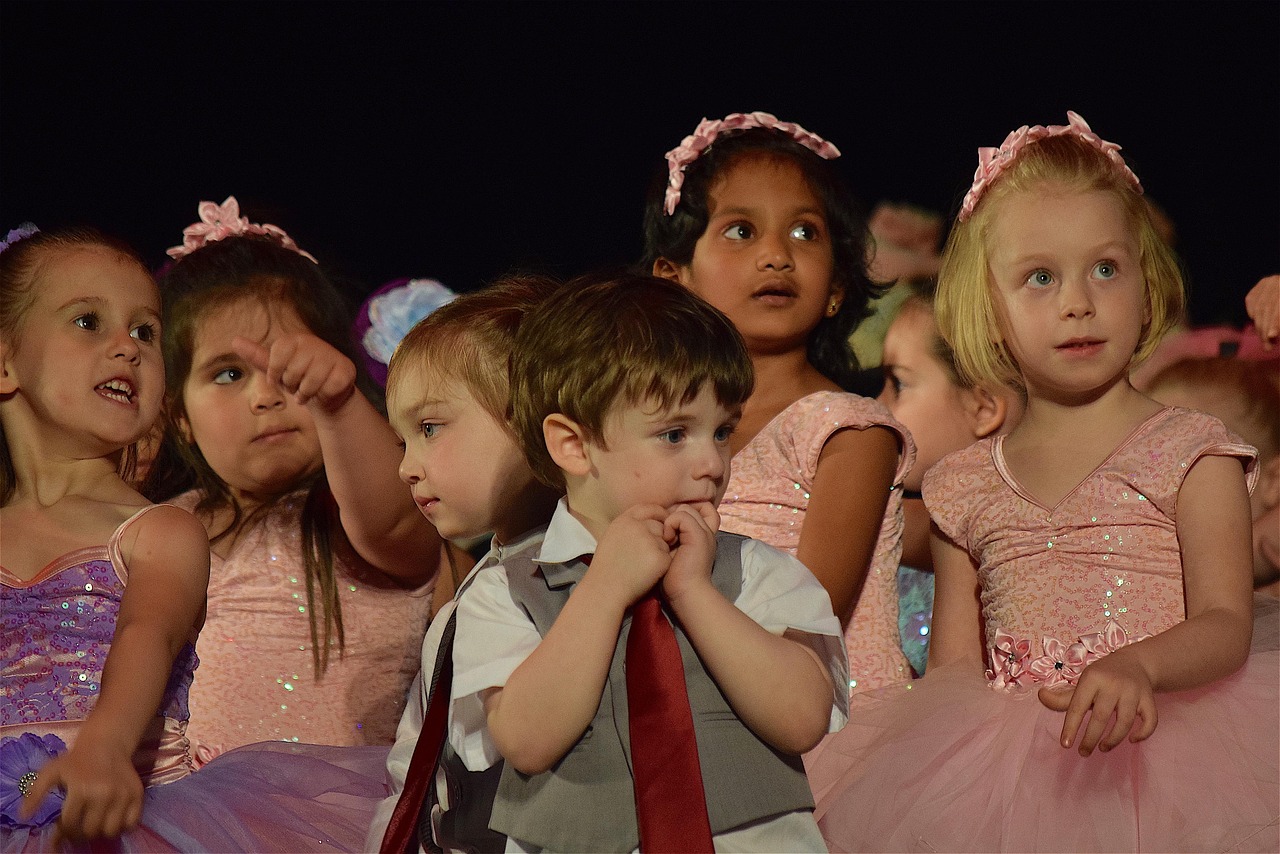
x=781, y=380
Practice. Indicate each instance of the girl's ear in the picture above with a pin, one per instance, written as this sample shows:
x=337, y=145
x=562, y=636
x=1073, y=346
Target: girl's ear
x=666, y=269
x=8, y=379
x=184, y=428
x=567, y=444
x=985, y=413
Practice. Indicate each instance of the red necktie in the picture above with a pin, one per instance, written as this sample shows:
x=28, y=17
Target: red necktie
x=671, y=807
x=401, y=829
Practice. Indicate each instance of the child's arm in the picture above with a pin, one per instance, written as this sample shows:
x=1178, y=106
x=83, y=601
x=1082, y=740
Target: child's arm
x=361, y=456
x=1213, y=642
x=846, y=509
x=956, y=631
x=162, y=607
x=550, y=699
x=778, y=687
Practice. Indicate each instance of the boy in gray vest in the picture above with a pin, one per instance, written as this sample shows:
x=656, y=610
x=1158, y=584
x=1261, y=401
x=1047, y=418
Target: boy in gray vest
x=625, y=391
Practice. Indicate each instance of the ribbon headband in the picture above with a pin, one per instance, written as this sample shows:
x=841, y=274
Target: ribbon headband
x=22, y=232
x=221, y=221
x=993, y=161
x=679, y=158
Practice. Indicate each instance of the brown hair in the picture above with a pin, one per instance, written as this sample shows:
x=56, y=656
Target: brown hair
x=619, y=338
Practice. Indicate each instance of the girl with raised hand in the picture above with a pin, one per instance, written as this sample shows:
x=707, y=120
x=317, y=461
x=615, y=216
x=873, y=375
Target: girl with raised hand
x=751, y=214
x=1090, y=684
x=322, y=573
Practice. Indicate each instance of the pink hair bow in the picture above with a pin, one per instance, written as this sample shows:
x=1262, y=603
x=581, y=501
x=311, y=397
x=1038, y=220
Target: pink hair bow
x=993, y=161
x=221, y=221
x=691, y=148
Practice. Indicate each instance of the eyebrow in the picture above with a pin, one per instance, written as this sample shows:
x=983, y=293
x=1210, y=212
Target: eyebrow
x=99, y=301
x=218, y=360
x=739, y=210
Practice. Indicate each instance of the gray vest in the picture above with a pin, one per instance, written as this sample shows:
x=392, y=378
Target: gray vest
x=587, y=802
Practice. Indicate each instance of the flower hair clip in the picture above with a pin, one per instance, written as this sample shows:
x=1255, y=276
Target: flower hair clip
x=993, y=161
x=22, y=232
x=691, y=148
x=221, y=221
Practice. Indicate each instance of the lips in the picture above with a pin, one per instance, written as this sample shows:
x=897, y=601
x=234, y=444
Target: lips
x=274, y=433
x=775, y=291
x=118, y=389
x=1080, y=345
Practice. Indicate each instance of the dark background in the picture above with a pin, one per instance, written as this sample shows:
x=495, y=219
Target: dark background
x=462, y=140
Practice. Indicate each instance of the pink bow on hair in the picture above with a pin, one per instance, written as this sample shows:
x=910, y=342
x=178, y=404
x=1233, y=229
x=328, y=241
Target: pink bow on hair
x=993, y=161
x=691, y=148
x=221, y=221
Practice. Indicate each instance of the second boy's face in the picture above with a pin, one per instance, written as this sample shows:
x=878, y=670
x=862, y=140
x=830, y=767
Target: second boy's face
x=662, y=457
x=467, y=475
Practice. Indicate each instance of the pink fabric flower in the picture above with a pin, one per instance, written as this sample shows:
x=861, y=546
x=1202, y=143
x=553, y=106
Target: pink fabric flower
x=218, y=222
x=1009, y=657
x=1061, y=663
x=691, y=148
x=993, y=161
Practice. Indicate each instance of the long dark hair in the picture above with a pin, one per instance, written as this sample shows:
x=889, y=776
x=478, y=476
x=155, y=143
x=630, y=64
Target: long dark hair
x=217, y=275
x=674, y=236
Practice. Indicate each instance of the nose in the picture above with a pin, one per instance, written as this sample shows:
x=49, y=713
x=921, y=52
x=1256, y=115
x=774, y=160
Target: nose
x=264, y=394
x=775, y=253
x=1076, y=299
x=409, y=470
x=713, y=462
x=125, y=346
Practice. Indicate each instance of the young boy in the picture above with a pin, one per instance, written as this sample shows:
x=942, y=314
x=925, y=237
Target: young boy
x=447, y=399
x=625, y=391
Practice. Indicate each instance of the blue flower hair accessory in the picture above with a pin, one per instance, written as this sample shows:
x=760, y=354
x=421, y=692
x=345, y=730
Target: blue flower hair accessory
x=22, y=232
x=21, y=758
x=388, y=315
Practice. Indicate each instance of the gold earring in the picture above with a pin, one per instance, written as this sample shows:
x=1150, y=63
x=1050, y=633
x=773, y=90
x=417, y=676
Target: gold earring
x=832, y=308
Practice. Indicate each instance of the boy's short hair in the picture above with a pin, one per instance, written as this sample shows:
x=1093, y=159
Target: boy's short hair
x=469, y=341
x=619, y=338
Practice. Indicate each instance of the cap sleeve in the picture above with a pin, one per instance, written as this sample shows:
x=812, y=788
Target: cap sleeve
x=953, y=489
x=814, y=419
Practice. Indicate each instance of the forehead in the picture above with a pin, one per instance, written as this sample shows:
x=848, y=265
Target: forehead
x=251, y=318
x=96, y=272
x=415, y=387
x=751, y=181
x=1050, y=218
x=911, y=330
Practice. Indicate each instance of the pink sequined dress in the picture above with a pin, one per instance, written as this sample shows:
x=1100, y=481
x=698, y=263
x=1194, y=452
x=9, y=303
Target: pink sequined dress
x=257, y=681
x=55, y=634
x=959, y=762
x=768, y=494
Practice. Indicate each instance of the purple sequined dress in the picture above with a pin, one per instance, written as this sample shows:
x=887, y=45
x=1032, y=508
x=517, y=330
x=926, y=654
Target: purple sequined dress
x=55, y=633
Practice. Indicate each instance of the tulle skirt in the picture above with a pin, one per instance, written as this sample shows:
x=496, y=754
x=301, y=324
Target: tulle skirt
x=949, y=764
x=272, y=796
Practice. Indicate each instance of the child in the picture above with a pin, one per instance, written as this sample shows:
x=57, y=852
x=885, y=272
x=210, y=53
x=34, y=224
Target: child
x=448, y=398
x=752, y=216
x=625, y=391
x=923, y=391
x=1096, y=557
x=102, y=594
x=322, y=567
x=1246, y=396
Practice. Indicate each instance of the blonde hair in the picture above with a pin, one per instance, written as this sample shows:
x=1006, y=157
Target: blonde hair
x=969, y=315
x=469, y=340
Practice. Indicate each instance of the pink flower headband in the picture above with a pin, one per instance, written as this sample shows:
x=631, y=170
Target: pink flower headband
x=221, y=221
x=679, y=158
x=993, y=161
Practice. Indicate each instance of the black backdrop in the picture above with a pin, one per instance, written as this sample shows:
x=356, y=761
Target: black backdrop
x=460, y=140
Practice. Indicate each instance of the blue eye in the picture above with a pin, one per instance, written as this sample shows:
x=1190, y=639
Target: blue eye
x=429, y=430
x=226, y=376
x=1040, y=279
x=672, y=437
x=738, y=231
x=88, y=322
x=723, y=434
x=146, y=333
x=804, y=231
x=1104, y=270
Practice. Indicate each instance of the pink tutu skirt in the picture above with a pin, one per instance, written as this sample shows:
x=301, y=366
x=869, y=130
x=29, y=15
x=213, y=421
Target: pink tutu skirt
x=272, y=796
x=947, y=763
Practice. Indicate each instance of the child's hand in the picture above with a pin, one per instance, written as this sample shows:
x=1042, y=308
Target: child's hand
x=1263, y=305
x=103, y=792
x=691, y=529
x=1115, y=685
x=305, y=366
x=635, y=551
